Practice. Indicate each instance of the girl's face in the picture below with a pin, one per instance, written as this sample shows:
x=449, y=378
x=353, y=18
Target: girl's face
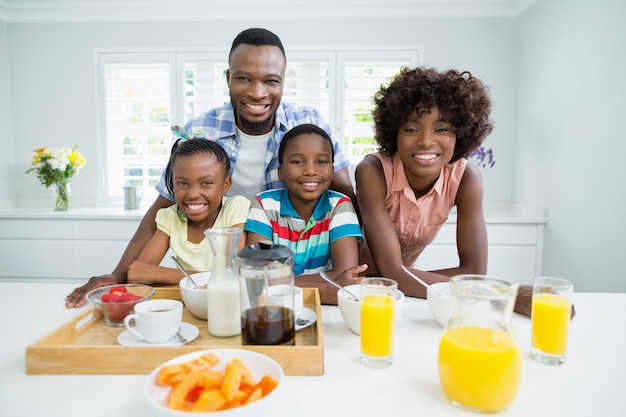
x=426, y=144
x=200, y=181
x=307, y=168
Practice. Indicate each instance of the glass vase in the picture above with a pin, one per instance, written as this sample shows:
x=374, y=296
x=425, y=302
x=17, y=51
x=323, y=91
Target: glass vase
x=62, y=195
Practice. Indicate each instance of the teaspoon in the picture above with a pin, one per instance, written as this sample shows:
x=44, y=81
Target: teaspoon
x=329, y=279
x=421, y=281
x=184, y=272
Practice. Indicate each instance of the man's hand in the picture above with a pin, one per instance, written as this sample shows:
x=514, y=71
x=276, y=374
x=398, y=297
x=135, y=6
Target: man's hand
x=523, y=302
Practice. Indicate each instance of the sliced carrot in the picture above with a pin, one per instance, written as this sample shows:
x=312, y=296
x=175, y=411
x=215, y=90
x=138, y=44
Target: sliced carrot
x=209, y=400
x=205, y=361
x=255, y=395
x=232, y=379
x=211, y=379
x=247, y=380
x=267, y=384
x=171, y=374
x=178, y=398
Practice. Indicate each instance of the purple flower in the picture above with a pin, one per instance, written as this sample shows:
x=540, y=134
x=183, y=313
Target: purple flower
x=482, y=157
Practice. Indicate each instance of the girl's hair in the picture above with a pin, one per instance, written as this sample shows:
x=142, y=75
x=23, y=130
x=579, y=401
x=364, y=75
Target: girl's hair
x=462, y=100
x=189, y=147
x=305, y=129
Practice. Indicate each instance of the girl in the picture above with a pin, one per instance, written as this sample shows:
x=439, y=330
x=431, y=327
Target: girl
x=197, y=177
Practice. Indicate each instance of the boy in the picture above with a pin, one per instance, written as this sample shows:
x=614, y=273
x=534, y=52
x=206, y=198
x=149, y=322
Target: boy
x=319, y=225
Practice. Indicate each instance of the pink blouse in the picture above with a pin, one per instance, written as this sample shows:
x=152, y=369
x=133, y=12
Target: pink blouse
x=417, y=221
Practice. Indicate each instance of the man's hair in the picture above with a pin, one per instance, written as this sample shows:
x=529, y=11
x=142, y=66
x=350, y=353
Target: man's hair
x=257, y=37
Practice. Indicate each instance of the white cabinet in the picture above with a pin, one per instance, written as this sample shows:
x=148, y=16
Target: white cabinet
x=62, y=246
x=515, y=238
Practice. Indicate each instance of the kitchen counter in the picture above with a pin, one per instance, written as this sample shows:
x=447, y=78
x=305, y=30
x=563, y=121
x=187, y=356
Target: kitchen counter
x=587, y=384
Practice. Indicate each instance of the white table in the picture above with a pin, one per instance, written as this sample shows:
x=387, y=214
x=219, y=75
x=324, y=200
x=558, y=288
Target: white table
x=588, y=384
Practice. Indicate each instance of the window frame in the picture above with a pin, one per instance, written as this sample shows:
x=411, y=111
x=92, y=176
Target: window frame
x=336, y=56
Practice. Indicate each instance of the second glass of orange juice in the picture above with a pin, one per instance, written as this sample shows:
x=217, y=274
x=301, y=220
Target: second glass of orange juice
x=378, y=306
x=550, y=316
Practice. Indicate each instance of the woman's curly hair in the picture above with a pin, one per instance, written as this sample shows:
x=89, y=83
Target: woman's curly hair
x=462, y=100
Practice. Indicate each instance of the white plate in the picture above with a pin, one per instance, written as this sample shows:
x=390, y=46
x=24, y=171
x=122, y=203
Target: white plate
x=259, y=366
x=306, y=314
x=188, y=331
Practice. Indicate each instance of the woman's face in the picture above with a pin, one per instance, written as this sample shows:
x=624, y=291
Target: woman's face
x=200, y=181
x=425, y=144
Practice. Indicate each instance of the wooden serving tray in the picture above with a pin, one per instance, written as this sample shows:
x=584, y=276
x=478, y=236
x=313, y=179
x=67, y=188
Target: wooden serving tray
x=86, y=345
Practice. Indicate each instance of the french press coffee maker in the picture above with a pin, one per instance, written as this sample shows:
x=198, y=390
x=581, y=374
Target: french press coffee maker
x=267, y=281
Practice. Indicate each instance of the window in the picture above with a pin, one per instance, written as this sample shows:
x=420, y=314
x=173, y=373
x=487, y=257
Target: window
x=141, y=94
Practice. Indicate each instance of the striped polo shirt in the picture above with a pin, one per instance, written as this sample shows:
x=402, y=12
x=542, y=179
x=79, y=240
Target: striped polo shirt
x=272, y=215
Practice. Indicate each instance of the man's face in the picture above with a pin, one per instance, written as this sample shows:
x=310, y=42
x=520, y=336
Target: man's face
x=255, y=79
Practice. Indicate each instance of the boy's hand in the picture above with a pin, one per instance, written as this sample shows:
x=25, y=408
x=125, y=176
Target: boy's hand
x=351, y=275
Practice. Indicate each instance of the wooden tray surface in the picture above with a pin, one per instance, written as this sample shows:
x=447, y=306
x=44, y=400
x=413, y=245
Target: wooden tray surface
x=86, y=345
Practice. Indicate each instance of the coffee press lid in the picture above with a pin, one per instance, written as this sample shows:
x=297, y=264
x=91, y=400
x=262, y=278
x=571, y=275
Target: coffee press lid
x=267, y=251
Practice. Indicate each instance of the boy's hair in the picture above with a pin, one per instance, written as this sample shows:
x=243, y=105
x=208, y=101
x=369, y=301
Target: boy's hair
x=462, y=100
x=305, y=129
x=257, y=37
x=184, y=147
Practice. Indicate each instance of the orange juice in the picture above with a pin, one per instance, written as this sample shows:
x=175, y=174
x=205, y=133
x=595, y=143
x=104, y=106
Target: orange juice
x=479, y=368
x=550, y=323
x=377, y=322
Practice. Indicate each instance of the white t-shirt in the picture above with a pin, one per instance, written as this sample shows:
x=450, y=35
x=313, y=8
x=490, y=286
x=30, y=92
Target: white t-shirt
x=249, y=169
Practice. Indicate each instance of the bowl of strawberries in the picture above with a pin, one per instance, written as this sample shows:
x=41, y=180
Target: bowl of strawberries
x=118, y=301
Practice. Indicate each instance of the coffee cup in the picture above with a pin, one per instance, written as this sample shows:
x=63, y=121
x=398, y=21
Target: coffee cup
x=156, y=321
x=281, y=295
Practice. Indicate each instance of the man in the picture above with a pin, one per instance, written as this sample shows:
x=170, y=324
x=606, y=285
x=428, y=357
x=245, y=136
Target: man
x=249, y=128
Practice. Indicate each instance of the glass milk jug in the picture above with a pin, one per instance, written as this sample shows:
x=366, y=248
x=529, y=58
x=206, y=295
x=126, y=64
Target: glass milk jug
x=268, y=316
x=480, y=361
x=223, y=288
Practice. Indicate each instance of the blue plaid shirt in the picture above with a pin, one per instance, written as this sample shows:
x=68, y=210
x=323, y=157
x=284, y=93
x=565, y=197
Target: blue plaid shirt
x=219, y=125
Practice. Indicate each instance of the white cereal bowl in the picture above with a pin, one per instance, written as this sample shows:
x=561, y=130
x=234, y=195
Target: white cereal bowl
x=195, y=298
x=440, y=305
x=350, y=309
x=259, y=366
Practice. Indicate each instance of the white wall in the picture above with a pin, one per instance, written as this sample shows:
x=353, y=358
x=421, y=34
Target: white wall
x=556, y=75
x=7, y=167
x=571, y=140
x=53, y=80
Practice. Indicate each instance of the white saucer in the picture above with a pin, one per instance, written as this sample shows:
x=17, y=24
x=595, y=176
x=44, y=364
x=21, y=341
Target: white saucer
x=306, y=314
x=188, y=331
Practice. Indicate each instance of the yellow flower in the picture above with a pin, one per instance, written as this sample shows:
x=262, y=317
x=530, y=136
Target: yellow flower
x=56, y=165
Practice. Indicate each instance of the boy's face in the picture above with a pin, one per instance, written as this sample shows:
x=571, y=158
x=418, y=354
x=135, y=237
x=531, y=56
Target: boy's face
x=307, y=168
x=255, y=80
x=199, y=181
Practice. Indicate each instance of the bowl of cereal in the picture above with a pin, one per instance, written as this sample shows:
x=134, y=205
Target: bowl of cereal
x=195, y=299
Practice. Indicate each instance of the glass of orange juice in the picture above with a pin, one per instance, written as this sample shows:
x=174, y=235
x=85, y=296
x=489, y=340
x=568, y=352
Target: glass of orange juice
x=550, y=316
x=378, y=305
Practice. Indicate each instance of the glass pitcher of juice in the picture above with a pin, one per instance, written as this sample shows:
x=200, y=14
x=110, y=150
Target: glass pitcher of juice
x=480, y=360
